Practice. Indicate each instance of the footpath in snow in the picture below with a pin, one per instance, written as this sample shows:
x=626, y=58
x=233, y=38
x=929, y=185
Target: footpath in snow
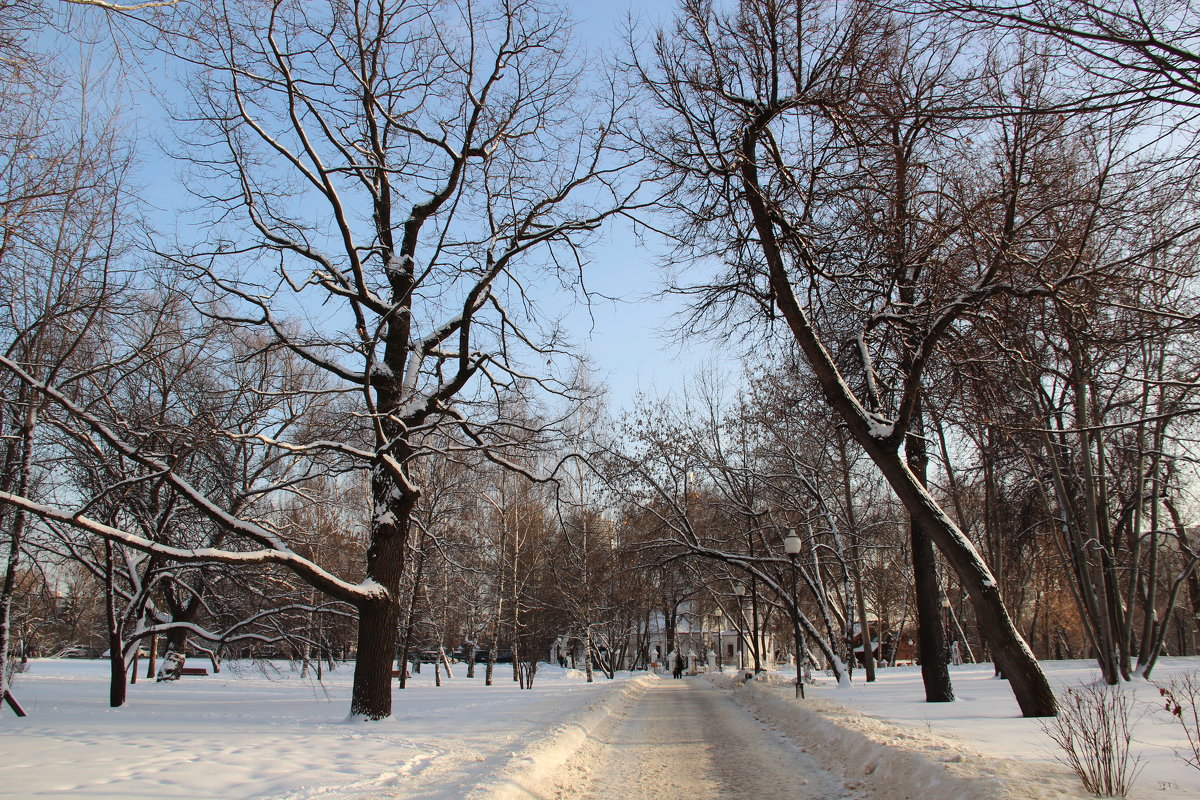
x=677, y=739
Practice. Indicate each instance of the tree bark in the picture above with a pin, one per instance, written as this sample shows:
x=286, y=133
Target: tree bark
x=855, y=558
x=413, y=607
x=379, y=618
x=371, y=696
x=116, y=647
x=152, y=658
x=18, y=466
x=931, y=636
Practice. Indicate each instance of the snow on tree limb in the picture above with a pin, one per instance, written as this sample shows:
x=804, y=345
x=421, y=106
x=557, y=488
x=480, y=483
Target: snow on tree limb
x=311, y=572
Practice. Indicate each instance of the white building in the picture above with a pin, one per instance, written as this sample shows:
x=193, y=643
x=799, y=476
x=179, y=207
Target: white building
x=706, y=641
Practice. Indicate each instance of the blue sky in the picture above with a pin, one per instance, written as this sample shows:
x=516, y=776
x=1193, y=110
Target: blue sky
x=625, y=338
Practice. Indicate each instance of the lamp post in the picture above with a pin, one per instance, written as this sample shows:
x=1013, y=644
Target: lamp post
x=739, y=589
x=945, y=623
x=791, y=545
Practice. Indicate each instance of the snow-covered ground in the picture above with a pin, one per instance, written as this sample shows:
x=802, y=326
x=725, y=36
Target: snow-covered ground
x=249, y=734
x=982, y=734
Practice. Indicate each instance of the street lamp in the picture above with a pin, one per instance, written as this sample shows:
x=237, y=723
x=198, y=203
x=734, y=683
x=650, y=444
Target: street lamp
x=946, y=653
x=791, y=545
x=739, y=589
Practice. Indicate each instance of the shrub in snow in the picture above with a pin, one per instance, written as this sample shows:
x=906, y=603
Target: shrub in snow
x=1181, y=699
x=13, y=666
x=1093, y=729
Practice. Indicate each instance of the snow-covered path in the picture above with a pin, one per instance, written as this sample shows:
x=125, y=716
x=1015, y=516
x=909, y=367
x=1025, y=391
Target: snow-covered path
x=688, y=739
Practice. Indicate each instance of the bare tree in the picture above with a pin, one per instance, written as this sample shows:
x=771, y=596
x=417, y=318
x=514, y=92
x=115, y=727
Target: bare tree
x=1122, y=52
x=781, y=137
x=61, y=191
x=1136, y=54
x=704, y=491
x=454, y=131
x=407, y=167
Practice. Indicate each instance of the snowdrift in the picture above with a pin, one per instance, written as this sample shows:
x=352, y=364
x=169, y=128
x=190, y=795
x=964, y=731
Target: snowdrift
x=882, y=761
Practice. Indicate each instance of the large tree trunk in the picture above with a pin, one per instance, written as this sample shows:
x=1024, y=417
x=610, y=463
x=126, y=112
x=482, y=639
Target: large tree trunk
x=931, y=636
x=152, y=658
x=1012, y=655
x=379, y=617
x=1028, y=682
x=116, y=671
x=177, y=639
x=371, y=696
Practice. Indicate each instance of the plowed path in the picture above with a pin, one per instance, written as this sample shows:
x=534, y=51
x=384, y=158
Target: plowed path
x=686, y=739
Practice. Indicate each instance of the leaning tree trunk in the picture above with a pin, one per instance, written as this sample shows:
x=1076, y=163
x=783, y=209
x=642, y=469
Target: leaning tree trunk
x=1012, y=654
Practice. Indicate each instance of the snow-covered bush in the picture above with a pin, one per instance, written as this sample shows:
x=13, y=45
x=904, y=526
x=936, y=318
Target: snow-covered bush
x=1093, y=729
x=1181, y=699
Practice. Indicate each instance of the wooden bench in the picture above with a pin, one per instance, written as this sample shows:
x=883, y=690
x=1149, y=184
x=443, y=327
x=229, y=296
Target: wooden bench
x=193, y=671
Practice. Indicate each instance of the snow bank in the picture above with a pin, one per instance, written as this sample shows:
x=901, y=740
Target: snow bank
x=533, y=773
x=882, y=761
x=980, y=743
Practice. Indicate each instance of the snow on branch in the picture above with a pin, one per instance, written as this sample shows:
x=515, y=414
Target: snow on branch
x=231, y=634
x=108, y=6
x=311, y=572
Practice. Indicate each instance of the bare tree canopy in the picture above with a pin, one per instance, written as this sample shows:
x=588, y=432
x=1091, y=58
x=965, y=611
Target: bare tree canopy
x=406, y=174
